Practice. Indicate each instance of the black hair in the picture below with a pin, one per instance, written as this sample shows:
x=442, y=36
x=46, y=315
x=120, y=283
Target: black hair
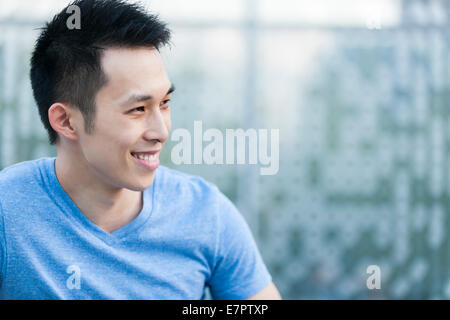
x=65, y=64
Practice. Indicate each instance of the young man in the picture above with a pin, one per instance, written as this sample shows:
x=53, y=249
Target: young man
x=103, y=220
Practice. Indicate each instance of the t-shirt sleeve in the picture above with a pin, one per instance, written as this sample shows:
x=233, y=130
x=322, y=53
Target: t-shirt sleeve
x=239, y=271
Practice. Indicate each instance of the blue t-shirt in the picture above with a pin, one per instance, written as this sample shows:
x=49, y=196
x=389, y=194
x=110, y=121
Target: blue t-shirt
x=187, y=236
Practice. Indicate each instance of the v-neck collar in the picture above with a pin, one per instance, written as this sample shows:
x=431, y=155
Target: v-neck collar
x=71, y=210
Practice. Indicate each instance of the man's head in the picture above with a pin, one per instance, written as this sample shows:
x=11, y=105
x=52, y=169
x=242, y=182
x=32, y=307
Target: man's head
x=102, y=90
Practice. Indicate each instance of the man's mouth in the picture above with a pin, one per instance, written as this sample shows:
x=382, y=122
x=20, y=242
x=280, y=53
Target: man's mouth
x=148, y=156
x=148, y=159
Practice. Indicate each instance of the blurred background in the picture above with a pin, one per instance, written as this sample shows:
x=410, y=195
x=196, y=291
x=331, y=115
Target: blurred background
x=360, y=92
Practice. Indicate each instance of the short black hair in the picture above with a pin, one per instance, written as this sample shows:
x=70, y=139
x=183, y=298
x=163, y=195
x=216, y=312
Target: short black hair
x=65, y=63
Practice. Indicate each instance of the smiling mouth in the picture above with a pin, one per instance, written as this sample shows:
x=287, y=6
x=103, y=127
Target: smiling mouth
x=147, y=156
x=148, y=160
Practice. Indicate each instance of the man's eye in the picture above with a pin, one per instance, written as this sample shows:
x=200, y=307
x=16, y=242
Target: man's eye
x=165, y=103
x=142, y=108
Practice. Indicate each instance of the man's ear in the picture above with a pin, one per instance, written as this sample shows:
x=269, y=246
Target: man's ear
x=62, y=119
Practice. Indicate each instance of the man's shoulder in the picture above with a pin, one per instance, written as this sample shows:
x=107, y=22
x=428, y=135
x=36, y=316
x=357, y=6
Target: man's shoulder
x=20, y=181
x=188, y=187
x=21, y=172
x=198, y=202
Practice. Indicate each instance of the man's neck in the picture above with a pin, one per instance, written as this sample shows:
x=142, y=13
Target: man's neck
x=108, y=207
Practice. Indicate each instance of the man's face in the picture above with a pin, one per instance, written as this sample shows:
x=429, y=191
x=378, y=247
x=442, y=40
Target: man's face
x=132, y=116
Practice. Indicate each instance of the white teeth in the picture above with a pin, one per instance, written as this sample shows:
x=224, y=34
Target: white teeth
x=146, y=157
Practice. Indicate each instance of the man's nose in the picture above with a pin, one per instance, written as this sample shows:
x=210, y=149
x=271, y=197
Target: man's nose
x=156, y=127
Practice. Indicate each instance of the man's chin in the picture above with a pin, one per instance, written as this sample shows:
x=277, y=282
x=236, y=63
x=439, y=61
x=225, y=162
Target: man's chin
x=144, y=183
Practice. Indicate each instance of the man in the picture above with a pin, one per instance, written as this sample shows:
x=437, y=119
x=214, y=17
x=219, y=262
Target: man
x=103, y=220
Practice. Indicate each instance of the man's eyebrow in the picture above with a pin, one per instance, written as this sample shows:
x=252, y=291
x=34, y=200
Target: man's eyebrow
x=144, y=97
x=171, y=89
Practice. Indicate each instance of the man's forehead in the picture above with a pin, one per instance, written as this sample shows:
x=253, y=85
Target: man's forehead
x=117, y=61
x=124, y=51
x=134, y=73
